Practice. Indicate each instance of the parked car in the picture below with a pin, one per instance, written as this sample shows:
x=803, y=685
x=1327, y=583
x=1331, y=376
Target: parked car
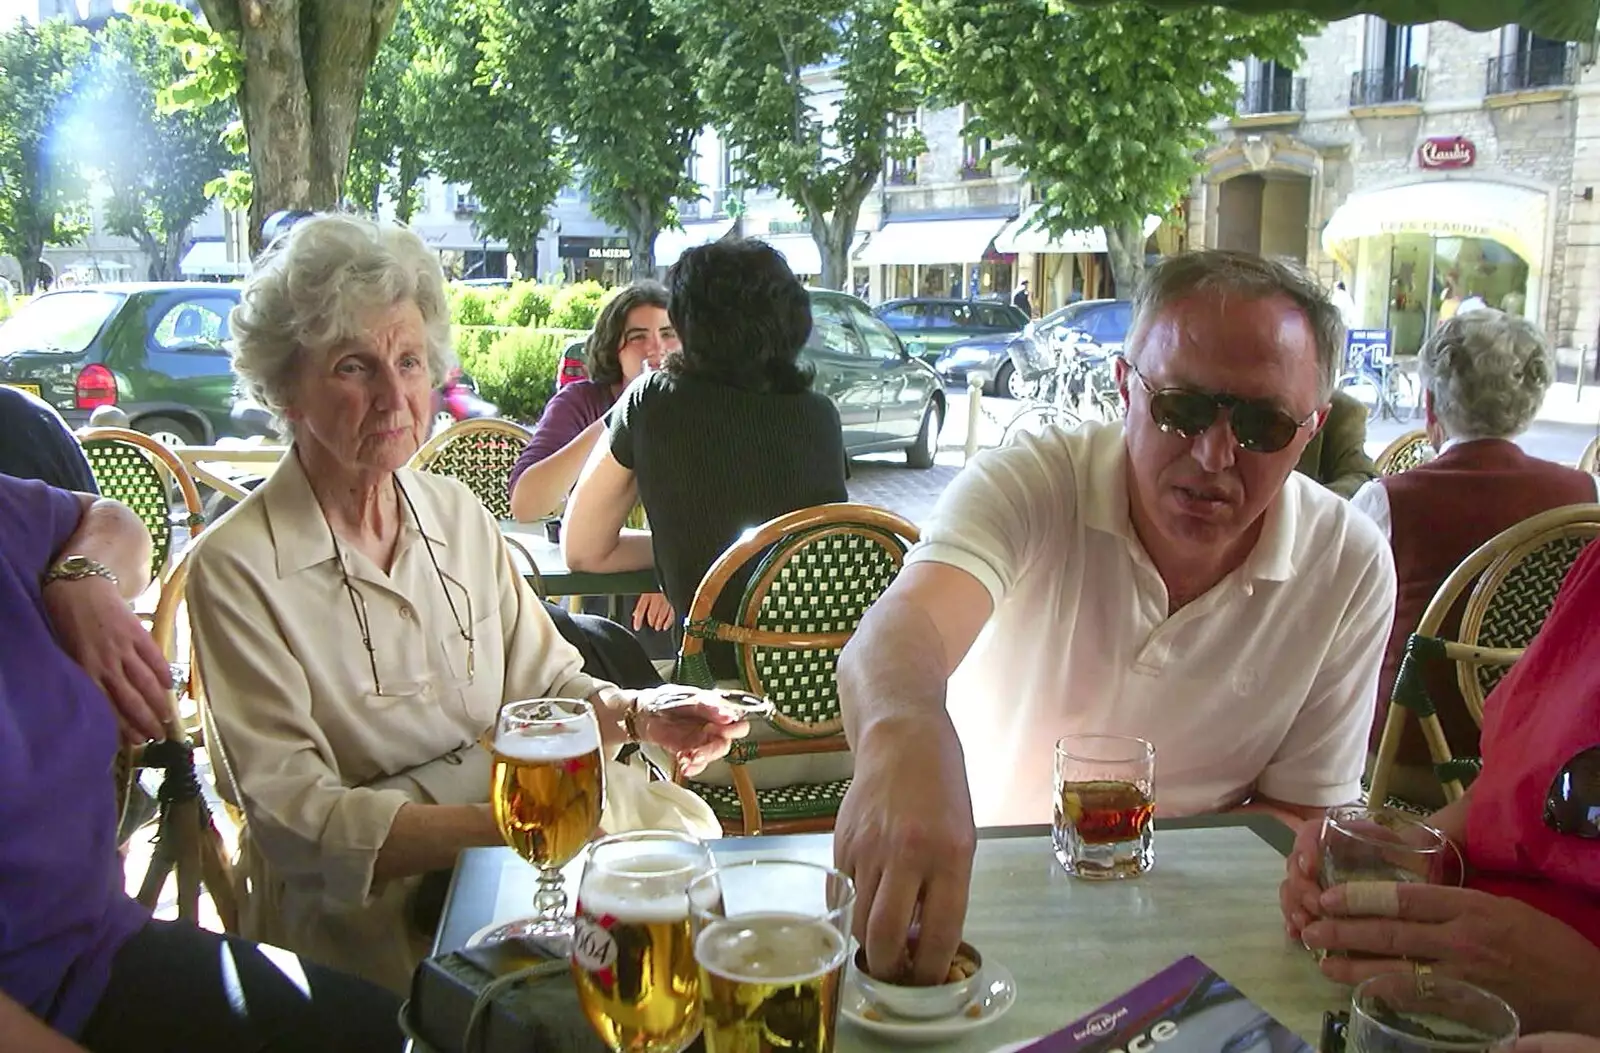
x=929, y=325
x=887, y=398
x=1009, y=363
x=1101, y=323
x=574, y=363
x=156, y=350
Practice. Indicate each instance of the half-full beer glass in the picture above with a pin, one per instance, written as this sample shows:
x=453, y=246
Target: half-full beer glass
x=771, y=939
x=632, y=944
x=1105, y=804
x=547, y=791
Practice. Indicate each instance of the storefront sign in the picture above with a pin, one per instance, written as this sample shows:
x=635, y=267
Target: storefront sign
x=576, y=248
x=1447, y=151
x=1367, y=348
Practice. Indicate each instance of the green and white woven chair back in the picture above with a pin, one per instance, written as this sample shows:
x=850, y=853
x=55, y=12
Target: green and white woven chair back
x=482, y=461
x=1519, y=607
x=126, y=473
x=1409, y=457
x=819, y=581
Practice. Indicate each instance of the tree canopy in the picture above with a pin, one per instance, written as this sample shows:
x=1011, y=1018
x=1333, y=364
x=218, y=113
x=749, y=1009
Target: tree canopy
x=156, y=162
x=610, y=76
x=803, y=91
x=43, y=193
x=1105, y=108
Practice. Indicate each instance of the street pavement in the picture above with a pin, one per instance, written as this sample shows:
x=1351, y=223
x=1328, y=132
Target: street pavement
x=1566, y=423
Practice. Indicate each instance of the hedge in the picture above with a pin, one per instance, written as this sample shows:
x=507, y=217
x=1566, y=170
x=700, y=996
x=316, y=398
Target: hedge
x=515, y=368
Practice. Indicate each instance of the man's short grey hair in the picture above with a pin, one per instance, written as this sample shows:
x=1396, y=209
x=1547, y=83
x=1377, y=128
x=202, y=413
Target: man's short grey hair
x=311, y=290
x=1249, y=277
x=1488, y=372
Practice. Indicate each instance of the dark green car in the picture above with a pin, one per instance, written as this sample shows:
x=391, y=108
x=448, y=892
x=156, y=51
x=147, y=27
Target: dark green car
x=928, y=325
x=156, y=351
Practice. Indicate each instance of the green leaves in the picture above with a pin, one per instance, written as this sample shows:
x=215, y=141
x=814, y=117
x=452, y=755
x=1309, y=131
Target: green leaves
x=1104, y=107
x=43, y=192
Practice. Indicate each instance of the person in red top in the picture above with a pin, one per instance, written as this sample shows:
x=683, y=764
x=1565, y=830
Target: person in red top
x=1527, y=924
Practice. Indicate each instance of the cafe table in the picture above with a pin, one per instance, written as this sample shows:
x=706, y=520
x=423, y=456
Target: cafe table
x=1072, y=945
x=552, y=578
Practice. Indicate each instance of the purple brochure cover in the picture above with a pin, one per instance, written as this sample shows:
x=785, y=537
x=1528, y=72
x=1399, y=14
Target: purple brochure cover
x=1185, y=1008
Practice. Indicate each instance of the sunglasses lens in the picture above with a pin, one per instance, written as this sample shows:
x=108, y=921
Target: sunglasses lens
x=1262, y=428
x=1573, y=804
x=1187, y=413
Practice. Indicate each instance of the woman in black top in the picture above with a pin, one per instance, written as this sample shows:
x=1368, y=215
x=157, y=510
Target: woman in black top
x=726, y=437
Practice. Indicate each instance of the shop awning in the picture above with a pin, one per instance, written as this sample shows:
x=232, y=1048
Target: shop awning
x=930, y=241
x=1019, y=237
x=1463, y=208
x=800, y=252
x=1562, y=19
x=209, y=259
x=670, y=244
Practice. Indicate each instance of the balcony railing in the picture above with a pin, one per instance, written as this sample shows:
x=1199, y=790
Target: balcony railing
x=1553, y=66
x=1386, y=84
x=1272, y=95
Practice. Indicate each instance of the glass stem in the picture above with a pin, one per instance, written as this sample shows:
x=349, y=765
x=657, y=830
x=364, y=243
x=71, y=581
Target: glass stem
x=550, y=899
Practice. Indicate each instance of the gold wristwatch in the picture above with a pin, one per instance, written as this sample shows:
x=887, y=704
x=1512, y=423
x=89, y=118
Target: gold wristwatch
x=76, y=568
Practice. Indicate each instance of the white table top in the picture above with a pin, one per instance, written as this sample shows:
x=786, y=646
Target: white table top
x=1072, y=945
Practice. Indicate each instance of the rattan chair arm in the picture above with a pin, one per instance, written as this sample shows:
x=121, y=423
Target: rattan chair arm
x=749, y=801
x=167, y=459
x=533, y=574
x=750, y=750
x=1460, y=652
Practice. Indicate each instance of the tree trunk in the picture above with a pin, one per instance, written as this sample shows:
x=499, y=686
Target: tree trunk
x=1125, y=247
x=28, y=260
x=305, y=65
x=835, y=234
x=525, y=248
x=172, y=254
x=406, y=177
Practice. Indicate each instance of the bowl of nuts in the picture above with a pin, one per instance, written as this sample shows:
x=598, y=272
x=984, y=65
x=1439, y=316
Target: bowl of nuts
x=903, y=998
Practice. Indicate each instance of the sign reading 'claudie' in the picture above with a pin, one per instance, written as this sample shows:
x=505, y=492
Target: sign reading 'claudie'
x=1447, y=151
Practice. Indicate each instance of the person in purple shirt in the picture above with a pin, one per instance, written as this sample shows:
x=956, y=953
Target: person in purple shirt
x=82, y=966
x=632, y=334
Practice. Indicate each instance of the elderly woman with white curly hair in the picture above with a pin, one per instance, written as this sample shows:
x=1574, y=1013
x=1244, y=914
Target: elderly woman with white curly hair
x=359, y=625
x=1484, y=376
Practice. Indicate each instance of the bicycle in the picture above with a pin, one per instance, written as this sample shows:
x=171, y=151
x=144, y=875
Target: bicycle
x=1374, y=380
x=1080, y=386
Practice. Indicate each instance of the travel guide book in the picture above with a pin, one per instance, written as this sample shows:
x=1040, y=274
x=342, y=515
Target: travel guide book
x=1185, y=1008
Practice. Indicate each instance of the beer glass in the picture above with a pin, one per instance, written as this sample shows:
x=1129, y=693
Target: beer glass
x=771, y=939
x=547, y=790
x=632, y=945
x=1105, y=803
x=1410, y=1013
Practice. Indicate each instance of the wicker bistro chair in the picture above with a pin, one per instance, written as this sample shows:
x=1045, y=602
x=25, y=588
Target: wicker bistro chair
x=1404, y=453
x=1589, y=460
x=187, y=840
x=139, y=471
x=479, y=453
x=819, y=570
x=1514, y=578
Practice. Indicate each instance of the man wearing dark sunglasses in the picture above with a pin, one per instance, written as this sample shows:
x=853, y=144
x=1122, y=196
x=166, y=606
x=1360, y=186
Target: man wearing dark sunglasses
x=1167, y=577
x=1527, y=924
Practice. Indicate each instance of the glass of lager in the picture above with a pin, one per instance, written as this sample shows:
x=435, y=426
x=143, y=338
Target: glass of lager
x=771, y=939
x=547, y=790
x=632, y=947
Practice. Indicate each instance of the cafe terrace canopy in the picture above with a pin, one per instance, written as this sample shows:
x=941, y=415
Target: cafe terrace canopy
x=1511, y=215
x=1561, y=19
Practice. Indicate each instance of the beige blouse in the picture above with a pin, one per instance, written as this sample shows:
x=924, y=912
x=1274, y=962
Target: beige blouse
x=320, y=756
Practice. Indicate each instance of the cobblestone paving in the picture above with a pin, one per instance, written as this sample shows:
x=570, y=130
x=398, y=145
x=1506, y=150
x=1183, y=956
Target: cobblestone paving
x=888, y=483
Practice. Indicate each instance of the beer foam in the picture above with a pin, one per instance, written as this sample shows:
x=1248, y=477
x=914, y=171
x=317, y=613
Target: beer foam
x=771, y=948
x=627, y=903
x=548, y=742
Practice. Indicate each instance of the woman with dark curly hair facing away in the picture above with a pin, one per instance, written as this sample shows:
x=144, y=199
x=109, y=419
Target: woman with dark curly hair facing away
x=727, y=436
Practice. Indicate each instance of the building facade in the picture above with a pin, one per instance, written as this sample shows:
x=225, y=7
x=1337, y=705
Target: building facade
x=1423, y=166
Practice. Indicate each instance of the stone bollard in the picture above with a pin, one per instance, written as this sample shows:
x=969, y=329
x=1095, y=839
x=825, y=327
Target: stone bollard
x=974, y=413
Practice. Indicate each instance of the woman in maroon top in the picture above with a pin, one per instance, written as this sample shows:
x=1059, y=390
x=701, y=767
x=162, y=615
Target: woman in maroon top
x=1527, y=925
x=632, y=334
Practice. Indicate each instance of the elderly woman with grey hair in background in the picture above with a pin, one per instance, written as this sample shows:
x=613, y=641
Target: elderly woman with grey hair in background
x=1484, y=376
x=359, y=624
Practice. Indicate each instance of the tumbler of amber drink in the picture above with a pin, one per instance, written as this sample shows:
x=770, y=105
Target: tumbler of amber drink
x=1104, y=805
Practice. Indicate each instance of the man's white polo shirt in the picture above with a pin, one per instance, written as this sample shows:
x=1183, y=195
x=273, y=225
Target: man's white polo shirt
x=1264, y=684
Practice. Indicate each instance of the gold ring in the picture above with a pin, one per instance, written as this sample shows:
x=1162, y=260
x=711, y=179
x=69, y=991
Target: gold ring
x=1424, y=974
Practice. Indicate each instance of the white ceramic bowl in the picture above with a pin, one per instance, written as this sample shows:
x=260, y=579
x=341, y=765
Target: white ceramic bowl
x=921, y=1003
